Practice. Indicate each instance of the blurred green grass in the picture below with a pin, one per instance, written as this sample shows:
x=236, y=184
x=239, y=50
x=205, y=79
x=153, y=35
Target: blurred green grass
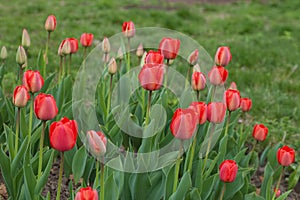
x=263, y=36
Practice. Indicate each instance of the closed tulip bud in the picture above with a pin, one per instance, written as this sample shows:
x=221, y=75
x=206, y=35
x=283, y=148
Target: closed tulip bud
x=228, y=170
x=86, y=39
x=33, y=81
x=120, y=54
x=217, y=75
x=246, y=104
x=193, y=57
x=233, y=86
x=198, y=81
x=277, y=192
x=151, y=76
x=73, y=45
x=201, y=109
x=25, y=39
x=285, y=156
x=3, y=54
x=112, y=66
x=169, y=47
x=184, y=123
x=45, y=107
x=97, y=142
x=154, y=57
x=232, y=99
x=21, y=57
x=260, y=132
x=50, y=24
x=216, y=112
x=86, y=194
x=223, y=56
x=140, y=50
x=66, y=47
x=21, y=96
x=196, y=68
x=63, y=134
x=105, y=45
x=128, y=29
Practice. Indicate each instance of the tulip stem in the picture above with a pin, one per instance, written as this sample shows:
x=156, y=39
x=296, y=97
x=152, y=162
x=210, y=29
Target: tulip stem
x=60, y=176
x=188, y=74
x=208, y=146
x=223, y=191
x=213, y=93
x=17, y=131
x=46, y=53
x=30, y=116
x=177, y=167
x=253, y=148
x=20, y=74
x=41, y=151
x=278, y=183
x=109, y=95
x=102, y=180
x=69, y=65
x=227, y=123
x=60, y=68
x=128, y=55
x=192, y=154
x=148, y=108
x=241, y=131
x=96, y=181
x=198, y=95
x=166, y=73
x=64, y=66
x=84, y=54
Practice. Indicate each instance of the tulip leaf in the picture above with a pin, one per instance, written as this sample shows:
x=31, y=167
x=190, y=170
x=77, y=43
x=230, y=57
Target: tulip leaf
x=47, y=83
x=253, y=196
x=17, y=160
x=294, y=177
x=23, y=124
x=69, y=156
x=79, y=162
x=7, y=173
x=264, y=154
x=29, y=177
x=9, y=140
x=267, y=182
x=184, y=185
x=234, y=187
x=111, y=188
x=208, y=185
x=88, y=168
x=284, y=195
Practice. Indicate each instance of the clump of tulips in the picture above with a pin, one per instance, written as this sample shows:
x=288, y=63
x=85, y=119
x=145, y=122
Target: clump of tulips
x=211, y=161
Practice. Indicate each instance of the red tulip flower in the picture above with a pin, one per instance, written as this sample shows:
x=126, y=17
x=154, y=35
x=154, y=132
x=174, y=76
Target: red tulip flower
x=216, y=112
x=128, y=29
x=232, y=99
x=73, y=45
x=201, y=109
x=86, y=194
x=86, y=39
x=184, y=123
x=169, y=47
x=223, y=56
x=151, y=76
x=154, y=57
x=285, y=156
x=45, y=107
x=63, y=134
x=228, y=170
x=198, y=81
x=97, y=142
x=233, y=86
x=33, y=81
x=246, y=104
x=50, y=24
x=21, y=96
x=217, y=75
x=260, y=132
x=193, y=57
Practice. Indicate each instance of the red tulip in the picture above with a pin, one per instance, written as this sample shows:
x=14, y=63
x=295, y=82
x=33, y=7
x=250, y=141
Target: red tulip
x=260, y=132
x=193, y=57
x=73, y=45
x=151, y=76
x=21, y=96
x=86, y=194
x=63, y=134
x=64, y=47
x=198, y=81
x=277, y=192
x=33, y=81
x=223, y=56
x=217, y=75
x=232, y=99
x=128, y=29
x=154, y=57
x=228, y=170
x=86, y=39
x=285, y=156
x=201, y=109
x=97, y=142
x=169, y=47
x=246, y=104
x=45, y=107
x=184, y=123
x=233, y=86
x=216, y=112
x=50, y=23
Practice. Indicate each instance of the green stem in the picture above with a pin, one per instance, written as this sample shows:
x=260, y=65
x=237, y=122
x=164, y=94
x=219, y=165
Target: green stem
x=84, y=54
x=64, y=66
x=46, y=53
x=278, y=183
x=41, y=151
x=166, y=74
x=20, y=74
x=227, y=123
x=253, y=148
x=148, y=108
x=208, y=146
x=198, y=95
x=128, y=55
x=102, y=180
x=177, y=167
x=17, y=131
x=213, y=93
x=188, y=75
x=69, y=65
x=109, y=95
x=192, y=154
x=223, y=191
x=96, y=183
x=60, y=176
x=30, y=116
x=60, y=68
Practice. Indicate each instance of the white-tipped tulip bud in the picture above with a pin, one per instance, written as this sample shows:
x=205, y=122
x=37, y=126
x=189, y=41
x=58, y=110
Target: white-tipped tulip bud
x=140, y=50
x=3, y=53
x=193, y=57
x=25, y=39
x=105, y=45
x=196, y=68
x=112, y=66
x=120, y=54
x=21, y=57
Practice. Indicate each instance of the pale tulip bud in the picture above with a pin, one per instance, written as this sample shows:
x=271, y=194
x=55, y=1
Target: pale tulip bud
x=120, y=54
x=25, y=39
x=105, y=45
x=196, y=68
x=112, y=66
x=140, y=50
x=3, y=53
x=21, y=56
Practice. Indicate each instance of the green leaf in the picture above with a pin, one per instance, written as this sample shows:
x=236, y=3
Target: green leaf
x=88, y=168
x=10, y=140
x=69, y=155
x=284, y=195
x=234, y=187
x=6, y=173
x=264, y=154
x=30, y=181
x=184, y=185
x=79, y=162
x=208, y=185
x=253, y=196
x=267, y=182
x=17, y=160
x=111, y=188
x=47, y=83
x=294, y=177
